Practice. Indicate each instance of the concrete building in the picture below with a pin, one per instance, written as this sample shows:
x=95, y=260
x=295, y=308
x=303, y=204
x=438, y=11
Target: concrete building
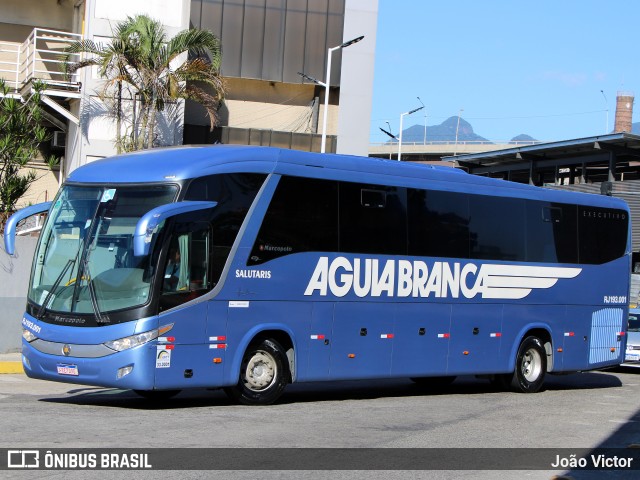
x=265, y=44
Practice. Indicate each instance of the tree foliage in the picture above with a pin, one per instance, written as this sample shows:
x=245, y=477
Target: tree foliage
x=141, y=64
x=21, y=133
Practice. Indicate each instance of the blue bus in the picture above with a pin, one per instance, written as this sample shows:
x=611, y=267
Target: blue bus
x=249, y=268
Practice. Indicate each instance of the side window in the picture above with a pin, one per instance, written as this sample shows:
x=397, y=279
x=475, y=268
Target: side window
x=234, y=192
x=438, y=223
x=552, y=232
x=497, y=228
x=373, y=219
x=185, y=274
x=302, y=217
x=602, y=234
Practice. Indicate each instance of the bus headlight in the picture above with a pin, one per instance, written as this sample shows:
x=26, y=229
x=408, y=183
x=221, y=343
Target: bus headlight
x=136, y=340
x=28, y=335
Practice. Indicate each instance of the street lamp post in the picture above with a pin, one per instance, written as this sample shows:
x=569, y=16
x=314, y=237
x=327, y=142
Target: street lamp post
x=401, y=119
x=606, y=103
x=396, y=138
x=424, y=139
x=390, y=135
x=326, y=88
x=455, y=150
x=326, y=85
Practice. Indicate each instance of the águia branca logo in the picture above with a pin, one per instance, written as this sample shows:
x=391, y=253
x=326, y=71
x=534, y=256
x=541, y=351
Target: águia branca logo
x=405, y=278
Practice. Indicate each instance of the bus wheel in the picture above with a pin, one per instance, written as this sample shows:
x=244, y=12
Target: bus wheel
x=531, y=366
x=157, y=395
x=264, y=374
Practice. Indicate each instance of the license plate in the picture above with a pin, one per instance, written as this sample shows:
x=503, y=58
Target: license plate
x=632, y=357
x=67, y=370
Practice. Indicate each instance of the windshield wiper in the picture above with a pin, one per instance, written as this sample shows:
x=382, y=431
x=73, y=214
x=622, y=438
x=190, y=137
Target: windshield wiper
x=92, y=295
x=56, y=284
x=54, y=287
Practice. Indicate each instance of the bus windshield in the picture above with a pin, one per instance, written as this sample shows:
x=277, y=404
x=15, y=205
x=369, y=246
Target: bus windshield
x=84, y=260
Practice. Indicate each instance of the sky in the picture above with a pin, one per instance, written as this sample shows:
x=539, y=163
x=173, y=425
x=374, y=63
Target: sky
x=514, y=67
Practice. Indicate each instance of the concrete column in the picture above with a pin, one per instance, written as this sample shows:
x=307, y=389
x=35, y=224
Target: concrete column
x=612, y=167
x=356, y=83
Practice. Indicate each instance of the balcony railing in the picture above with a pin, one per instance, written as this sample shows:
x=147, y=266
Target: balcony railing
x=38, y=58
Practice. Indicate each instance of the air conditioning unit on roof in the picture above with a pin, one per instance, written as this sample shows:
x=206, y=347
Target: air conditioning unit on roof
x=59, y=139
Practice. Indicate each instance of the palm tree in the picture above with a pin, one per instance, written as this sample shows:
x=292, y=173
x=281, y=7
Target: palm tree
x=112, y=61
x=142, y=60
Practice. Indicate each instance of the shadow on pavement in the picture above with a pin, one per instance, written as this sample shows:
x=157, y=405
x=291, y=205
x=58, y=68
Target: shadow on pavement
x=327, y=391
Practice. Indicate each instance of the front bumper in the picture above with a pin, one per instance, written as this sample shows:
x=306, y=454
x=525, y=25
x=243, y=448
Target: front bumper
x=102, y=371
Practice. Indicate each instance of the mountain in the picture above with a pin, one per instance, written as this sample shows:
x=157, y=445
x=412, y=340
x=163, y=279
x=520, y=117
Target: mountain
x=523, y=138
x=445, y=132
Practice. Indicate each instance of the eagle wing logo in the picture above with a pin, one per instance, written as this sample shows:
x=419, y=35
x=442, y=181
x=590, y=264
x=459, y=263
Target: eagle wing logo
x=514, y=282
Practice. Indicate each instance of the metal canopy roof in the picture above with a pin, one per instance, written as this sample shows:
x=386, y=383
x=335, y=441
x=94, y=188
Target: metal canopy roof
x=623, y=149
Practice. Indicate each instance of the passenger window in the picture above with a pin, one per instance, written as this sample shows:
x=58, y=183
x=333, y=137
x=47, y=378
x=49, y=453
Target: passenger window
x=438, y=224
x=602, y=234
x=185, y=275
x=302, y=217
x=234, y=192
x=373, y=219
x=497, y=228
x=552, y=232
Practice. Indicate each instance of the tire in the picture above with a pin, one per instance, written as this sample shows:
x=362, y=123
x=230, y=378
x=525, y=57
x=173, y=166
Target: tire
x=157, y=395
x=264, y=374
x=531, y=366
x=433, y=381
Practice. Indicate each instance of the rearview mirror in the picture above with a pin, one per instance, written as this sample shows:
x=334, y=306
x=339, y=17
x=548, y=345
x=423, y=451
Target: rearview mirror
x=12, y=223
x=148, y=223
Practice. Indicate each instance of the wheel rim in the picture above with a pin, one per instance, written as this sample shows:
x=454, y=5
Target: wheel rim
x=531, y=365
x=260, y=371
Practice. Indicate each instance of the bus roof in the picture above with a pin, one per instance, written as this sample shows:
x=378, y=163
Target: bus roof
x=184, y=162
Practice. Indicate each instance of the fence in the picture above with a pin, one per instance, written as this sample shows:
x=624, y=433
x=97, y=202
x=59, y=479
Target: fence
x=37, y=58
x=14, y=281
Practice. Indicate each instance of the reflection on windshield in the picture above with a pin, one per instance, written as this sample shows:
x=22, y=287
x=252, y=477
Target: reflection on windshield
x=634, y=324
x=85, y=261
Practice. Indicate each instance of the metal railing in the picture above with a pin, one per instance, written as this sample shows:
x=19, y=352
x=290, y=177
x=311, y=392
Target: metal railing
x=38, y=58
x=515, y=143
